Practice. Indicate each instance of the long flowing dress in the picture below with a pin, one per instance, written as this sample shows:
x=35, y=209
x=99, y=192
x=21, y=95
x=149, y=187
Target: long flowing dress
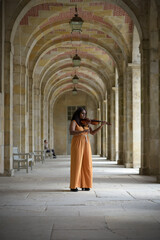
x=81, y=161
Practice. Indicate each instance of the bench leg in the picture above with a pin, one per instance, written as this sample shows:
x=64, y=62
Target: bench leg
x=27, y=167
x=18, y=166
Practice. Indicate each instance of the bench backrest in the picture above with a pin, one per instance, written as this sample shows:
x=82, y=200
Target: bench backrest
x=15, y=150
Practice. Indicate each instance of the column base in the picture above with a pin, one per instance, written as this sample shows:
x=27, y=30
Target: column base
x=128, y=165
x=144, y=171
x=7, y=173
x=120, y=162
x=158, y=178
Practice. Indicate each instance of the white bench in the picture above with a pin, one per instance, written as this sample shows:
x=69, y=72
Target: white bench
x=48, y=154
x=23, y=160
x=39, y=156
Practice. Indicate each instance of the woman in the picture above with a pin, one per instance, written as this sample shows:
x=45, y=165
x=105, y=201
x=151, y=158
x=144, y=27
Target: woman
x=48, y=150
x=81, y=156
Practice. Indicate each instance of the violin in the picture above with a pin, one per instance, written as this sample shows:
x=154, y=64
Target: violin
x=87, y=121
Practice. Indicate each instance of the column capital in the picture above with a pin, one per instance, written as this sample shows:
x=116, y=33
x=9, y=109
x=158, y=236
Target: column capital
x=134, y=65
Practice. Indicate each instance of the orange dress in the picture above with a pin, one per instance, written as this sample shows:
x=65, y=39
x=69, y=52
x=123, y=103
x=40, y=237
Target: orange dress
x=81, y=161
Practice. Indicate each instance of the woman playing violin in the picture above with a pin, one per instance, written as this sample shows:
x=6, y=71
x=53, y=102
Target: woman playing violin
x=81, y=155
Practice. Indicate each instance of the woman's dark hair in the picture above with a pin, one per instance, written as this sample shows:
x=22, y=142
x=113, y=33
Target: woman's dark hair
x=76, y=115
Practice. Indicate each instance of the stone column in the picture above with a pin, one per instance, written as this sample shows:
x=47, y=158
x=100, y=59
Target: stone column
x=8, y=113
x=120, y=154
x=116, y=123
x=145, y=131
x=26, y=112
x=23, y=109
x=112, y=130
x=42, y=120
x=158, y=54
x=49, y=123
x=51, y=127
x=37, y=119
x=104, y=130
x=2, y=43
x=107, y=140
x=99, y=133
x=109, y=128
x=16, y=105
x=154, y=92
x=45, y=119
x=129, y=122
x=136, y=99
x=31, y=119
x=19, y=105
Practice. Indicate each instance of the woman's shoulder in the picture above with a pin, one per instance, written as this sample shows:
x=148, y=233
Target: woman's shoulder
x=73, y=121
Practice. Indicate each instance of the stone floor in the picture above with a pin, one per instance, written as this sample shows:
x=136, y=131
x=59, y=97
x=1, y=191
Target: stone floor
x=39, y=205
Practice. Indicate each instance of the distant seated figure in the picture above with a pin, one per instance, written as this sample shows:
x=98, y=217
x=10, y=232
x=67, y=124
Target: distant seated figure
x=49, y=150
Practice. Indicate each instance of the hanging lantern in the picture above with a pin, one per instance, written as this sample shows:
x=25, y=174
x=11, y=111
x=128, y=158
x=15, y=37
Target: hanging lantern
x=76, y=60
x=76, y=22
x=75, y=79
x=74, y=91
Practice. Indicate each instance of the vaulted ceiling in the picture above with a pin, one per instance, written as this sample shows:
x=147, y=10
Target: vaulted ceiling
x=47, y=46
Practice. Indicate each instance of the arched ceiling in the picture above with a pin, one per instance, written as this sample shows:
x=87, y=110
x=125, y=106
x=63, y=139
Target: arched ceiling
x=48, y=46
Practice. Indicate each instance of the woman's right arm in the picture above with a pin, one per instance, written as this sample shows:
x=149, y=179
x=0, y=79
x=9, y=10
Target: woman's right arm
x=73, y=130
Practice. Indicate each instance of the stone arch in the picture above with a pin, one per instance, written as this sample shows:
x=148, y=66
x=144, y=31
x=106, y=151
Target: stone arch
x=49, y=86
x=24, y=7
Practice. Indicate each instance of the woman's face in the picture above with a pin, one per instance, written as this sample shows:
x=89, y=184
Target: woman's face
x=83, y=114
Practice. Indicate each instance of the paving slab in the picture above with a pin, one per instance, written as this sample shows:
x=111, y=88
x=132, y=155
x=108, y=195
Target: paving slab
x=39, y=205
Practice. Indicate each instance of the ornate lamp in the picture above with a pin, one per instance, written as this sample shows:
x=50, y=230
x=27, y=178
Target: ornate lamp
x=76, y=60
x=76, y=22
x=75, y=79
x=74, y=91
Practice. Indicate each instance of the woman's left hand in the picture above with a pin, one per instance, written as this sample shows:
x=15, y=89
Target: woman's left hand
x=103, y=123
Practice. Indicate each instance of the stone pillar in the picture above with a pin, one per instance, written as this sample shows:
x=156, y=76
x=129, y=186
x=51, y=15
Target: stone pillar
x=22, y=109
x=136, y=99
x=19, y=105
x=42, y=120
x=120, y=154
x=51, y=127
x=45, y=119
x=26, y=112
x=116, y=123
x=16, y=105
x=112, y=130
x=109, y=128
x=154, y=92
x=31, y=119
x=145, y=131
x=37, y=119
x=8, y=113
x=158, y=175
x=129, y=127
x=104, y=130
x=107, y=140
x=99, y=133
x=2, y=34
x=49, y=124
